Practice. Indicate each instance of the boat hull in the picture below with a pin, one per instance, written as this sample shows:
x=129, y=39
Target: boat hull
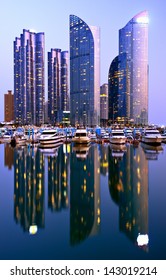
x=117, y=137
x=50, y=142
x=117, y=140
x=5, y=139
x=151, y=140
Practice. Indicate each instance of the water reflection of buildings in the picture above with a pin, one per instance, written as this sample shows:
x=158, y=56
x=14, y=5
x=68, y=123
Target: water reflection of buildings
x=103, y=150
x=28, y=187
x=128, y=184
x=58, y=179
x=9, y=156
x=84, y=195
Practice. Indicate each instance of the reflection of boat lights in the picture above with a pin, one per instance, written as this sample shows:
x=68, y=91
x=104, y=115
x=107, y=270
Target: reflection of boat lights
x=142, y=239
x=66, y=148
x=33, y=229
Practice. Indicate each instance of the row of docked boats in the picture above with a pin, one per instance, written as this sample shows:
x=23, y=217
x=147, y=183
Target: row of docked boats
x=119, y=136
x=46, y=138
x=150, y=136
x=51, y=137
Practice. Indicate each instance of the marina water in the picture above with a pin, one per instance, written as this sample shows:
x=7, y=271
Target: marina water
x=91, y=203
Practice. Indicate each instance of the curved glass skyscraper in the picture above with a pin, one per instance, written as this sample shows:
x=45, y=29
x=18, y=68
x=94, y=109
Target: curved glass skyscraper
x=133, y=40
x=84, y=73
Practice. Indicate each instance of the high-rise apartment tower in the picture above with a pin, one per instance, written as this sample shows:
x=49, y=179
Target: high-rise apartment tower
x=29, y=88
x=58, y=85
x=8, y=106
x=84, y=73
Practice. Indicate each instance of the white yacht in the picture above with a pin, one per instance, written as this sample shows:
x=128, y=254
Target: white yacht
x=6, y=138
x=151, y=136
x=93, y=136
x=117, y=136
x=128, y=132
x=105, y=137
x=49, y=138
x=81, y=137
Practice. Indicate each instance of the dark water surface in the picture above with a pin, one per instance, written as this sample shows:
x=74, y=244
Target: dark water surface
x=83, y=206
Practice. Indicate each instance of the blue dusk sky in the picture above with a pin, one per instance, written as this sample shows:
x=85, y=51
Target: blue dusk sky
x=52, y=18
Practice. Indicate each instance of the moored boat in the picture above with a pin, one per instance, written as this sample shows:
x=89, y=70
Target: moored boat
x=49, y=138
x=6, y=137
x=81, y=137
x=93, y=136
x=151, y=136
x=117, y=136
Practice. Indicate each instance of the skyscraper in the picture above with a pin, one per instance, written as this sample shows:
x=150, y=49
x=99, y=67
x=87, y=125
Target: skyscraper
x=29, y=88
x=104, y=104
x=58, y=95
x=133, y=40
x=118, y=84
x=54, y=85
x=9, y=106
x=84, y=73
x=65, y=81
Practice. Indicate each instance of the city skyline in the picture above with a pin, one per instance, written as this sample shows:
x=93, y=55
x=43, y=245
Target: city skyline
x=95, y=13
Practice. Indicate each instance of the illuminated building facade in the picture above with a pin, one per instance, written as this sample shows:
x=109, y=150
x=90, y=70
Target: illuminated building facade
x=118, y=84
x=65, y=81
x=104, y=104
x=58, y=97
x=133, y=40
x=84, y=73
x=29, y=88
